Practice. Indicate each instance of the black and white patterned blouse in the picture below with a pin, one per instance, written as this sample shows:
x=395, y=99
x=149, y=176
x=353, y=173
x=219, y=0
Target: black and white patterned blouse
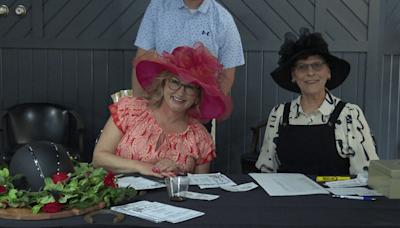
x=352, y=133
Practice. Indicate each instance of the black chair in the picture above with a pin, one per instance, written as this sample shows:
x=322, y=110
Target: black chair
x=29, y=122
x=249, y=159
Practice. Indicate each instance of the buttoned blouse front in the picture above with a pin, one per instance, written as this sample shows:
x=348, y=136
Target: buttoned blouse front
x=352, y=133
x=169, y=24
x=141, y=133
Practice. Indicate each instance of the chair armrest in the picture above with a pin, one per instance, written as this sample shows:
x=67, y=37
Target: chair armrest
x=2, y=115
x=256, y=134
x=78, y=118
x=81, y=126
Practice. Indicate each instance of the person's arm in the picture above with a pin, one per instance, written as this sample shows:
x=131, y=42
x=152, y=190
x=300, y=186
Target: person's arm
x=226, y=84
x=354, y=140
x=267, y=160
x=137, y=90
x=230, y=52
x=204, y=168
x=205, y=141
x=104, y=154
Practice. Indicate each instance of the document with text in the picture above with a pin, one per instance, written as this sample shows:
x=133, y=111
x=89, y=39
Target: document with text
x=210, y=180
x=139, y=183
x=287, y=184
x=157, y=212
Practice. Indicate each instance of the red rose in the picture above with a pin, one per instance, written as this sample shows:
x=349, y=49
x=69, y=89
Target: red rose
x=52, y=207
x=109, y=180
x=59, y=177
x=3, y=188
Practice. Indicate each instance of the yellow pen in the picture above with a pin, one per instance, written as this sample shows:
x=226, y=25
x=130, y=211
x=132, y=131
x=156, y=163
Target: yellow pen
x=331, y=178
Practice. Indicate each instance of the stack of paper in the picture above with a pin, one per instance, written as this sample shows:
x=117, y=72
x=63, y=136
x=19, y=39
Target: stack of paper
x=210, y=180
x=240, y=188
x=139, y=183
x=157, y=212
x=201, y=196
x=352, y=186
x=287, y=184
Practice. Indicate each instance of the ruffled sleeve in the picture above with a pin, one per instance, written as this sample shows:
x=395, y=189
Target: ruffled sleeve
x=268, y=158
x=354, y=140
x=127, y=112
x=205, y=144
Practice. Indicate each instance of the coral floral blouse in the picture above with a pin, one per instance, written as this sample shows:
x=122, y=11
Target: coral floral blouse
x=141, y=132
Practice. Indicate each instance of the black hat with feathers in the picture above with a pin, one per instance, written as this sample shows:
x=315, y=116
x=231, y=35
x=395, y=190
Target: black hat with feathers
x=310, y=43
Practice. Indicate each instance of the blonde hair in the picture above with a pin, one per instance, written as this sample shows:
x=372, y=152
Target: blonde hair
x=155, y=92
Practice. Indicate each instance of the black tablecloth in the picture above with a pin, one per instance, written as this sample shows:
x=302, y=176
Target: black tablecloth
x=254, y=208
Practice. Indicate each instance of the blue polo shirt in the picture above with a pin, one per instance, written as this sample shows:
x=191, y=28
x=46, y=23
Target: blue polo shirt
x=168, y=24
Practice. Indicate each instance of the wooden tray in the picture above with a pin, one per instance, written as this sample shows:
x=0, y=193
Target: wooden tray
x=27, y=214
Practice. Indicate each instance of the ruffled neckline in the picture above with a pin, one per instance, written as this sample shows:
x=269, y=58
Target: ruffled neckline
x=153, y=119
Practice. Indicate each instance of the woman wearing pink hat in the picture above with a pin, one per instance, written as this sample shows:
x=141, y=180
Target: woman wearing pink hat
x=160, y=134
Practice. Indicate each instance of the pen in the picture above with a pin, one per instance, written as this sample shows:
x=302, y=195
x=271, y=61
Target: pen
x=331, y=178
x=354, y=197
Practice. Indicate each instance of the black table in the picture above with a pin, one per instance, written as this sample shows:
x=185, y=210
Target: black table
x=252, y=209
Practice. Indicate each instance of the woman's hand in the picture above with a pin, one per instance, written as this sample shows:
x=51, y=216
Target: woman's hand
x=148, y=170
x=166, y=167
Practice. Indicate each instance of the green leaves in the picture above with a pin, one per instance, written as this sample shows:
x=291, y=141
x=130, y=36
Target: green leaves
x=8, y=195
x=4, y=173
x=84, y=188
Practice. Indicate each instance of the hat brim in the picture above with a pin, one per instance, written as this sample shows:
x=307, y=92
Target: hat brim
x=339, y=68
x=213, y=103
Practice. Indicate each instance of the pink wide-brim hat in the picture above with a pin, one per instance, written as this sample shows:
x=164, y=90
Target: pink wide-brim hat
x=194, y=65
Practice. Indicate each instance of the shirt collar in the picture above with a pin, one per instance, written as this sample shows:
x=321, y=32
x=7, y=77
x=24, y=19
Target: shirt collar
x=326, y=107
x=205, y=5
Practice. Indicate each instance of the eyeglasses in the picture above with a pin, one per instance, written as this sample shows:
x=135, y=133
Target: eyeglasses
x=189, y=89
x=302, y=67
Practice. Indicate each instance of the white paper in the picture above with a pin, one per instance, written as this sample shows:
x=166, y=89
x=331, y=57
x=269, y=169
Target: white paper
x=287, y=184
x=157, y=212
x=361, y=180
x=172, y=214
x=138, y=209
x=201, y=196
x=360, y=191
x=240, y=188
x=210, y=180
x=139, y=183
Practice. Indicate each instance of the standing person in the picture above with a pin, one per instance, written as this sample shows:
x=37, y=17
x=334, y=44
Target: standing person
x=169, y=24
x=159, y=134
x=316, y=133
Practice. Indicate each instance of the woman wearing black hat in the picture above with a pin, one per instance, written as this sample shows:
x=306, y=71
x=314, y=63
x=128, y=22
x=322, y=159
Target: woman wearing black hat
x=316, y=133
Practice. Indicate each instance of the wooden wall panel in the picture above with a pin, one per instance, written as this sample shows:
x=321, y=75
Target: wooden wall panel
x=39, y=75
x=13, y=26
x=389, y=103
x=24, y=75
x=9, y=87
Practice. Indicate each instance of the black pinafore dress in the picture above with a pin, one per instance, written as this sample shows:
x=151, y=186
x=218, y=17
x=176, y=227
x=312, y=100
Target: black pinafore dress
x=310, y=149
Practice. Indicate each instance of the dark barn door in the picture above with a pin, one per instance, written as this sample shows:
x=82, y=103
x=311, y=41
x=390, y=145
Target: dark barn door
x=78, y=52
x=75, y=53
